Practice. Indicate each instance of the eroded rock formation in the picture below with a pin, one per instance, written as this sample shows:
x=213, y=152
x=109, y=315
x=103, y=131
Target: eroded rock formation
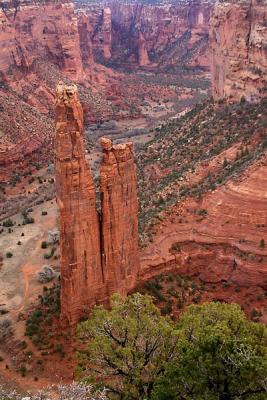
x=155, y=36
x=28, y=31
x=119, y=231
x=97, y=258
x=31, y=34
x=225, y=247
x=81, y=272
x=238, y=40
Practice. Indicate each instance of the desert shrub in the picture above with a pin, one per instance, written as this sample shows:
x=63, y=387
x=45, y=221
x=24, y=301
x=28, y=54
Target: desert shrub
x=46, y=274
x=175, y=247
x=8, y=223
x=262, y=243
x=6, y=329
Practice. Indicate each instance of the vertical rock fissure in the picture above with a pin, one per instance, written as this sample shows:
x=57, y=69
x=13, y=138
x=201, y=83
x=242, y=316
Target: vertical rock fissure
x=99, y=251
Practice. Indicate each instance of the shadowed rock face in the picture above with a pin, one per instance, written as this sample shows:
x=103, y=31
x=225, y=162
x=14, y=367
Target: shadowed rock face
x=238, y=40
x=97, y=259
x=154, y=36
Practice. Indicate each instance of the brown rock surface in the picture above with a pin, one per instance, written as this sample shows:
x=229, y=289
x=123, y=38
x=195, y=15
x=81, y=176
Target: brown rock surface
x=42, y=44
x=118, y=188
x=97, y=259
x=143, y=58
x=81, y=272
x=224, y=246
x=31, y=33
x=158, y=36
x=99, y=18
x=238, y=39
x=49, y=32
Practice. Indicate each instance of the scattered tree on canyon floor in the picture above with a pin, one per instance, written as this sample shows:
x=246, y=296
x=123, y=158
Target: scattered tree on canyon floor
x=212, y=353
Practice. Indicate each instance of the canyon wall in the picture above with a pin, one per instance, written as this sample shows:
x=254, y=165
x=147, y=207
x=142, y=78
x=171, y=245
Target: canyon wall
x=99, y=253
x=48, y=31
x=41, y=43
x=155, y=36
x=238, y=40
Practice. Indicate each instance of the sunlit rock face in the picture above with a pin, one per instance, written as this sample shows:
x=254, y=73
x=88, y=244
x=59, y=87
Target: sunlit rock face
x=99, y=252
x=81, y=272
x=34, y=36
x=118, y=188
x=49, y=32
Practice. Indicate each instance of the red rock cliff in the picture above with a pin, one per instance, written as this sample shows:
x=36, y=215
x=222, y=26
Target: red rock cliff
x=40, y=43
x=158, y=36
x=96, y=259
x=32, y=31
x=239, y=50
x=118, y=188
x=81, y=272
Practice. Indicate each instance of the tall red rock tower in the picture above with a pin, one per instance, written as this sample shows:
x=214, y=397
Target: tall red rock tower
x=119, y=224
x=81, y=272
x=99, y=256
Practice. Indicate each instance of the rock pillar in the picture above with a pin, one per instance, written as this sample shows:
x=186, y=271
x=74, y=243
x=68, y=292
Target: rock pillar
x=119, y=225
x=81, y=273
x=99, y=256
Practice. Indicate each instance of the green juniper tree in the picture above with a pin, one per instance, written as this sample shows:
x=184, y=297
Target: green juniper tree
x=222, y=356
x=212, y=353
x=128, y=347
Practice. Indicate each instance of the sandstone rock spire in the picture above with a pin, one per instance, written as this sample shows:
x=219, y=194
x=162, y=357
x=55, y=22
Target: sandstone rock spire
x=99, y=256
x=81, y=273
x=119, y=230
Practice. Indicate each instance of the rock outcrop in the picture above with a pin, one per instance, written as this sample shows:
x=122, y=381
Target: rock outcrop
x=28, y=32
x=239, y=50
x=81, y=272
x=41, y=44
x=118, y=189
x=154, y=36
x=32, y=33
x=98, y=258
x=226, y=247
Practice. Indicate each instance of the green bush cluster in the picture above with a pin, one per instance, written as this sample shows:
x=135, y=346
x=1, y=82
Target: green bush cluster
x=211, y=353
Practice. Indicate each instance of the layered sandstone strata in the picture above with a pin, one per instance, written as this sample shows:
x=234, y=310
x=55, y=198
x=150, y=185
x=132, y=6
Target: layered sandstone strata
x=32, y=33
x=97, y=258
x=29, y=32
x=118, y=188
x=238, y=40
x=227, y=245
x=81, y=272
